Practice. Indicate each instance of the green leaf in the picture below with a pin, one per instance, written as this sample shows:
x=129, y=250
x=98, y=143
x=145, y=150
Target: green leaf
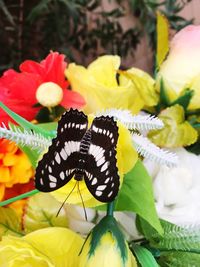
x=43, y=115
x=184, y=100
x=7, y=13
x=164, y=99
x=174, y=238
x=41, y=213
x=9, y=222
x=50, y=126
x=144, y=256
x=24, y=123
x=195, y=148
x=38, y=9
x=179, y=259
x=179, y=238
x=136, y=195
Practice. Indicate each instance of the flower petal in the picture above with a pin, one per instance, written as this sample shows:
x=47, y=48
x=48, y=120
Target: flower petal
x=100, y=88
x=47, y=247
x=72, y=99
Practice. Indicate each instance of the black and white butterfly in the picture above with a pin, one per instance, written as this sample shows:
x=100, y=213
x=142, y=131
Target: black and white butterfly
x=82, y=153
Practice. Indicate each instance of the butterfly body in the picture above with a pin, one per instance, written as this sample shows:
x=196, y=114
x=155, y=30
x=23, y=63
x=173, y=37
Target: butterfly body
x=82, y=154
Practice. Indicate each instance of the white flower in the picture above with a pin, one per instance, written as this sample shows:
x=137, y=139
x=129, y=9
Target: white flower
x=177, y=190
x=77, y=221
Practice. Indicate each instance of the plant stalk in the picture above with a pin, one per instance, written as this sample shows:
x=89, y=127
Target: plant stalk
x=13, y=199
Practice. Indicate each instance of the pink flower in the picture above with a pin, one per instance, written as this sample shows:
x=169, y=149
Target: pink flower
x=181, y=69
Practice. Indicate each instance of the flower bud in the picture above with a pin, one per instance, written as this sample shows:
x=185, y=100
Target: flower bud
x=49, y=94
x=106, y=246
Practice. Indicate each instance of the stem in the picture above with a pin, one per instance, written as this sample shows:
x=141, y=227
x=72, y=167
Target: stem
x=110, y=208
x=13, y=199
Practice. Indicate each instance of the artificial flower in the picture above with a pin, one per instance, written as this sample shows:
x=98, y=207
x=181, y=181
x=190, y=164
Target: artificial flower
x=15, y=169
x=49, y=247
x=18, y=89
x=126, y=159
x=177, y=131
x=181, y=69
x=76, y=220
x=102, y=89
x=177, y=189
x=106, y=246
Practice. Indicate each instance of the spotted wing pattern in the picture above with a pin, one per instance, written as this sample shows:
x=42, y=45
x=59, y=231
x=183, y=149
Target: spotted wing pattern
x=58, y=165
x=101, y=173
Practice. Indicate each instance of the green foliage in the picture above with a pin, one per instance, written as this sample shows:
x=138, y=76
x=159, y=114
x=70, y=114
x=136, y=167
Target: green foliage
x=81, y=29
x=179, y=259
x=184, y=100
x=178, y=246
x=136, y=195
x=145, y=11
x=144, y=256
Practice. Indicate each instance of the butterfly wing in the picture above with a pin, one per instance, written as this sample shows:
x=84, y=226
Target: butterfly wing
x=57, y=166
x=101, y=173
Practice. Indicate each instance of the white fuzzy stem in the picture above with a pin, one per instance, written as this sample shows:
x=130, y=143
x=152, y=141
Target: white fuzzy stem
x=29, y=138
x=149, y=150
x=133, y=122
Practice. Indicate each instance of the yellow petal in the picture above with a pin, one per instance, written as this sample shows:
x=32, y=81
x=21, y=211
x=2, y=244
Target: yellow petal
x=40, y=213
x=4, y=174
x=2, y=191
x=61, y=245
x=10, y=159
x=15, y=252
x=19, y=206
x=177, y=132
x=104, y=70
x=162, y=38
x=144, y=84
x=126, y=154
x=22, y=171
x=49, y=247
x=98, y=85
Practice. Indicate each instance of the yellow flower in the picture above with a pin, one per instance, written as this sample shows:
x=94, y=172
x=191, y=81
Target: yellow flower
x=177, y=131
x=106, y=247
x=49, y=247
x=126, y=159
x=181, y=69
x=99, y=85
x=15, y=167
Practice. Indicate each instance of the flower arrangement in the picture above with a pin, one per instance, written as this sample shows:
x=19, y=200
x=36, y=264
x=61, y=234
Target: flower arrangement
x=135, y=128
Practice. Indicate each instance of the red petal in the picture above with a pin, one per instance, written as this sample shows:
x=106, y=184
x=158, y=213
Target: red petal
x=23, y=86
x=31, y=66
x=19, y=189
x=72, y=99
x=55, y=66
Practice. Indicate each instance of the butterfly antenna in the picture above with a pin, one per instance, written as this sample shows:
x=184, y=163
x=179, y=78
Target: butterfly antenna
x=85, y=213
x=66, y=199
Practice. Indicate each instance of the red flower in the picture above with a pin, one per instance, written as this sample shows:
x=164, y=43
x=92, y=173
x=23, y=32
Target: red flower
x=18, y=89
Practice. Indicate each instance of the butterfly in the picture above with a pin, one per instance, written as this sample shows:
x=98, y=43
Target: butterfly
x=83, y=154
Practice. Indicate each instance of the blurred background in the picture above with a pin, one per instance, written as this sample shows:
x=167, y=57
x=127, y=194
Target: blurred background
x=85, y=29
